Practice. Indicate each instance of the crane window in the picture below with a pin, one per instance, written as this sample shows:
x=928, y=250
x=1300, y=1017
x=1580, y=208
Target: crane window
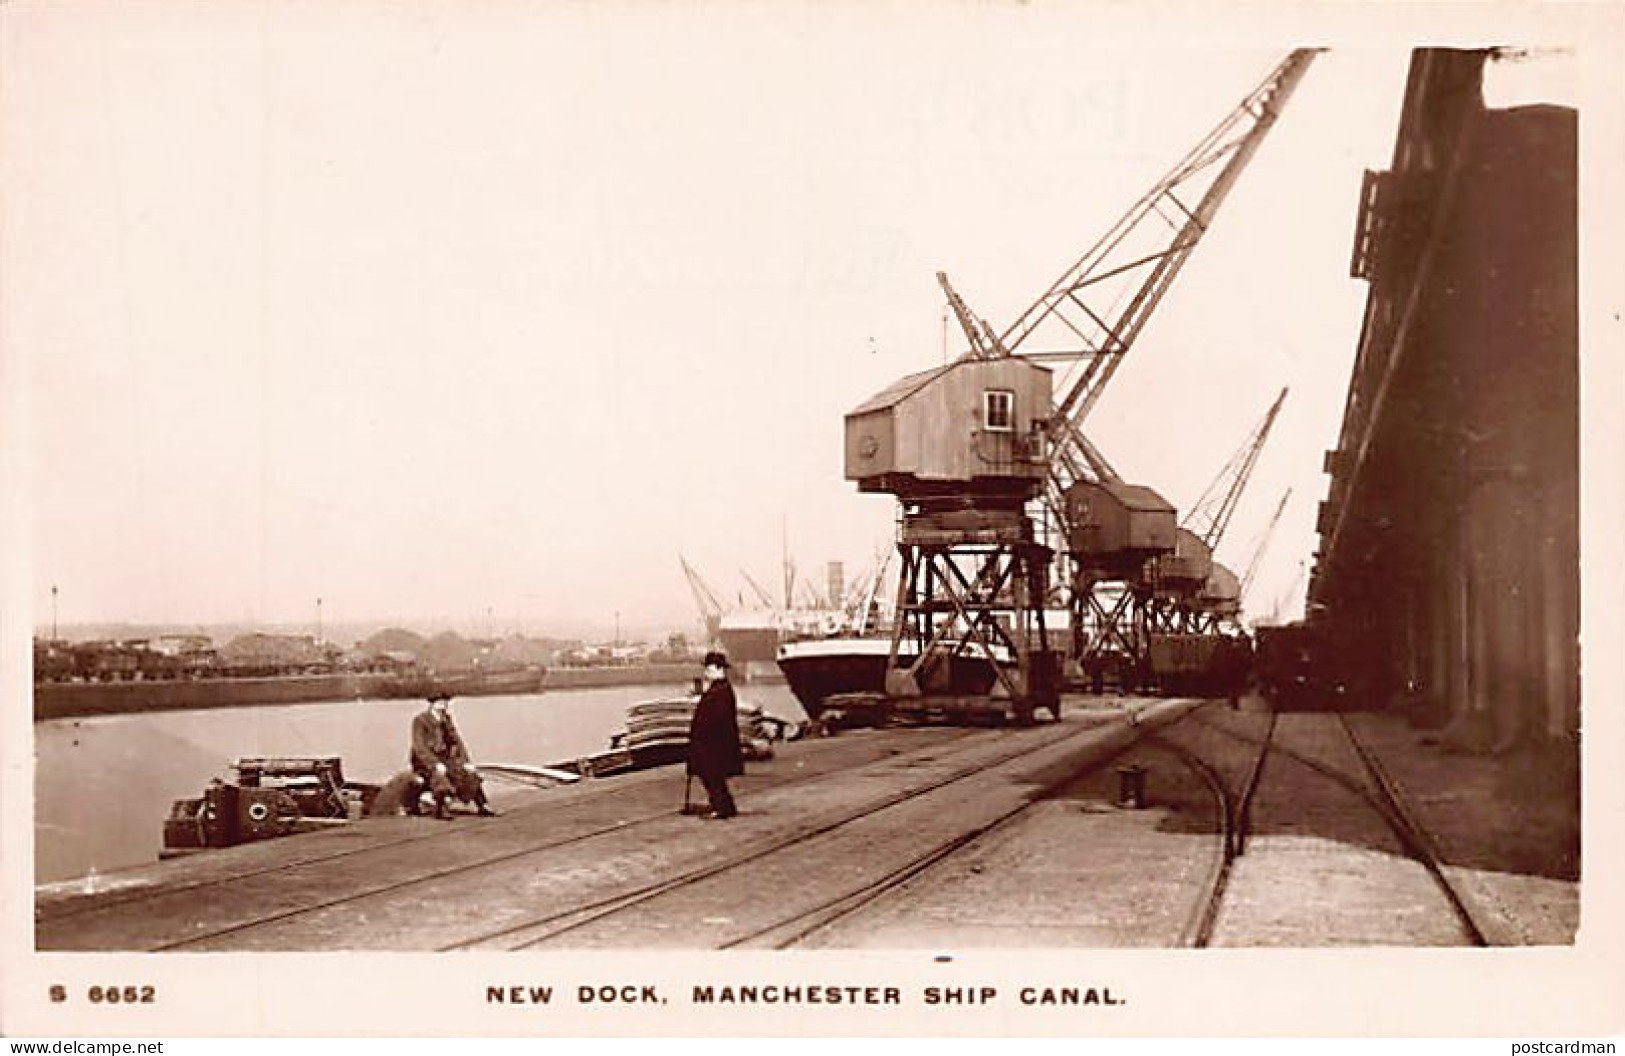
x=999, y=410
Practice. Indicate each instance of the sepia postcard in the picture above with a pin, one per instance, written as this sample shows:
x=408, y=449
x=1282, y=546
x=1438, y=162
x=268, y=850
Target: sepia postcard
x=909, y=520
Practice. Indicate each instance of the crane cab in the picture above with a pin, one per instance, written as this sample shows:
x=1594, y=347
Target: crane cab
x=1115, y=527
x=970, y=428
x=1182, y=573
x=1221, y=593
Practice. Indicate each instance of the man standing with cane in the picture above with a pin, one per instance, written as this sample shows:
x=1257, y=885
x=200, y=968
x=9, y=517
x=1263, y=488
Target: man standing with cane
x=713, y=737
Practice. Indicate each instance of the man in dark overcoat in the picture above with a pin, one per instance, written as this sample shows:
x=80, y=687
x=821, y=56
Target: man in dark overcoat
x=440, y=757
x=713, y=736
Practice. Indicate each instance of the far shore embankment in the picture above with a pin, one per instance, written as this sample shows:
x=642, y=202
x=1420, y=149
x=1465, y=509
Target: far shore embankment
x=639, y=675
x=66, y=700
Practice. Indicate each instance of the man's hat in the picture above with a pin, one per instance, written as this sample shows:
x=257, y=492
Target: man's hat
x=438, y=695
x=715, y=658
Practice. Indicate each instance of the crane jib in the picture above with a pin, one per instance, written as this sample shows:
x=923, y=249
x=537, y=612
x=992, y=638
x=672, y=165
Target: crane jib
x=1234, y=141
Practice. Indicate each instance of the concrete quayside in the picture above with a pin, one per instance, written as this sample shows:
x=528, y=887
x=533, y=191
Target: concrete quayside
x=1129, y=822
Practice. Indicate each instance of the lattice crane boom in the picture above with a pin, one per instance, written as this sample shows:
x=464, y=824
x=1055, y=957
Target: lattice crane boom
x=1263, y=544
x=984, y=344
x=1211, y=514
x=1099, y=305
x=757, y=589
x=710, y=607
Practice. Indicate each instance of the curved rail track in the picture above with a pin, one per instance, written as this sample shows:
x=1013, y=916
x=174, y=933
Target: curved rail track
x=1370, y=787
x=1232, y=808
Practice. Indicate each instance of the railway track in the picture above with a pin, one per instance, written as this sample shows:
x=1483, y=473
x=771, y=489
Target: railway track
x=1232, y=806
x=604, y=859
x=1342, y=861
x=774, y=867
x=613, y=810
x=810, y=895
x=1302, y=841
x=72, y=906
x=443, y=882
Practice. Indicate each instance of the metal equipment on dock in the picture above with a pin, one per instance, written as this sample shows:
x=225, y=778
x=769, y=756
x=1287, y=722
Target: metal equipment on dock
x=266, y=797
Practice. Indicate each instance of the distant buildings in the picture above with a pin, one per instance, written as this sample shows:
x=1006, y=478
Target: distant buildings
x=258, y=655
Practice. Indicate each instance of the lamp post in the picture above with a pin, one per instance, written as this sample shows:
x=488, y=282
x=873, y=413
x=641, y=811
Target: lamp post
x=318, y=621
x=53, y=613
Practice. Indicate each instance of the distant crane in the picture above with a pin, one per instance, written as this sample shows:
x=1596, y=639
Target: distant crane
x=1263, y=545
x=864, y=602
x=1297, y=583
x=705, y=598
x=1194, y=592
x=984, y=343
x=1211, y=514
x=758, y=590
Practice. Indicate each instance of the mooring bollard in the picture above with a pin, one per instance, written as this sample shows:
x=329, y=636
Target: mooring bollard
x=1131, y=786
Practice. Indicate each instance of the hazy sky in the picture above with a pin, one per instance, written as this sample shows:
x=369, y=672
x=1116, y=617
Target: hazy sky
x=434, y=310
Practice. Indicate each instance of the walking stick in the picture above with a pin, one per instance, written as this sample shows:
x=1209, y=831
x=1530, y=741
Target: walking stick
x=688, y=807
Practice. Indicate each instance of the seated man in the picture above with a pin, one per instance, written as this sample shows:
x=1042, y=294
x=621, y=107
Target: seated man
x=440, y=757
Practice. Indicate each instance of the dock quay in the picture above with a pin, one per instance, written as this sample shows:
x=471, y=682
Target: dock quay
x=1130, y=822
x=68, y=700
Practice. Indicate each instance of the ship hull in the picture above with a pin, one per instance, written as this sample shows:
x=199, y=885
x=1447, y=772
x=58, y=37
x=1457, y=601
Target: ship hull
x=748, y=644
x=486, y=684
x=820, y=668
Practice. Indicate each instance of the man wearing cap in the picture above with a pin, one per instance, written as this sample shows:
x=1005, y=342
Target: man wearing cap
x=440, y=757
x=713, y=736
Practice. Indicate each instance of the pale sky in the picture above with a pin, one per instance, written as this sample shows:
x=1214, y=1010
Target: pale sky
x=434, y=310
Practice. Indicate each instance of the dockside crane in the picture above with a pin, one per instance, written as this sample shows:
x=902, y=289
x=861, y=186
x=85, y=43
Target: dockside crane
x=1090, y=318
x=863, y=602
x=986, y=515
x=710, y=608
x=1281, y=599
x=1210, y=516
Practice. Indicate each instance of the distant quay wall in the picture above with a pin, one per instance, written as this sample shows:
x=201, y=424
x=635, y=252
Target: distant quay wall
x=64, y=700
x=756, y=671
x=640, y=675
